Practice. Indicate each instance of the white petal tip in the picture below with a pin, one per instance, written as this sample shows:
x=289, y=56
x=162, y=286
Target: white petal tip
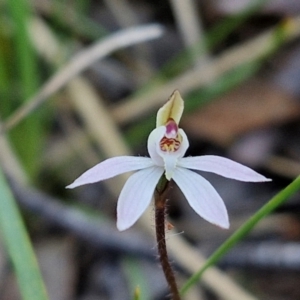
x=267, y=179
x=225, y=226
x=71, y=186
x=77, y=183
x=123, y=224
x=122, y=227
x=221, y=222
x=260, y=178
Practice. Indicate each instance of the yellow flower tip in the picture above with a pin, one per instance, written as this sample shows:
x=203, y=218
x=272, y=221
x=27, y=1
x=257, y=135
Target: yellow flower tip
x=137, y=293
x=173, y=109
x=288, y=25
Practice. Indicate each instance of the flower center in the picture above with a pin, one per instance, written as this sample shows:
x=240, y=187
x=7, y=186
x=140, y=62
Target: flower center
x=172, y=140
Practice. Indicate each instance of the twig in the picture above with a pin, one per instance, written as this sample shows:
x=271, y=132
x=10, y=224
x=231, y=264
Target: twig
x=80, y=62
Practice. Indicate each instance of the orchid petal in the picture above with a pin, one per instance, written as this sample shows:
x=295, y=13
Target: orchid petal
x=173, y=109
x=112, y=167
x=222, y=166
x=153, y=144
x=202, y=197
x=136, y=195
x=184, y=144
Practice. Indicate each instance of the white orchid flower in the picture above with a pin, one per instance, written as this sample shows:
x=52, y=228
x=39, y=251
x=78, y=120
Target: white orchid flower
x=167, y=145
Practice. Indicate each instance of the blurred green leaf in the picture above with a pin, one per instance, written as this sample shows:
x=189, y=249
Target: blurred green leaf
x=19, y=247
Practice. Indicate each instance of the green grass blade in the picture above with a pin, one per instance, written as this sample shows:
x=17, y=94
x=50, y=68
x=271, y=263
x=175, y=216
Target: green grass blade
x=25, y=56
x=277, y=200
x=27, y=139
x=19, y=247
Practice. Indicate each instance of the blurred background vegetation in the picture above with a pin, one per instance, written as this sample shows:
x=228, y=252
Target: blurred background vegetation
x=236, y=64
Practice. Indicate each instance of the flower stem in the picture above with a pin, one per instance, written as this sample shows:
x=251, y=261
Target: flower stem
x=160, y=213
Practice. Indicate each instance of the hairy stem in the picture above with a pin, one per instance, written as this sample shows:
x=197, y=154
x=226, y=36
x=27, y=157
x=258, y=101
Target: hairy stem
x=160, y=213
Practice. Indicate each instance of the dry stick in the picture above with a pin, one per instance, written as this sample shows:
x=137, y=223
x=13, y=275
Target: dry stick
x=160, y=213
x=82, y=61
